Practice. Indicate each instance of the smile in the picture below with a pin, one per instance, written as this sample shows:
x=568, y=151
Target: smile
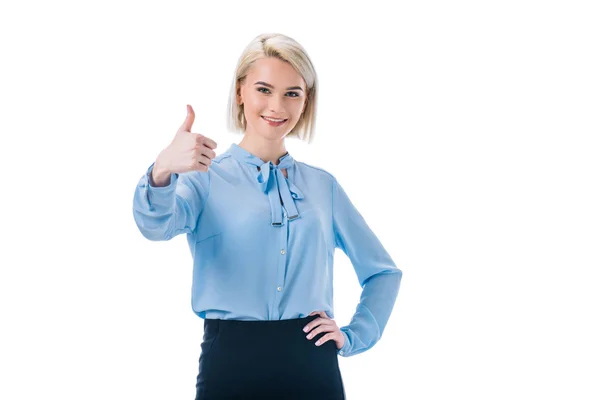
x=274, y=122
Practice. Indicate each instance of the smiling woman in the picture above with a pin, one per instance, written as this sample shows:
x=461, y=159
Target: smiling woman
x=274, y=79
x=264, y=101
x=262, y=229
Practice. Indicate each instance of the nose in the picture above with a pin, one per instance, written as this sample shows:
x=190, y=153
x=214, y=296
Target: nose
x=275, y=105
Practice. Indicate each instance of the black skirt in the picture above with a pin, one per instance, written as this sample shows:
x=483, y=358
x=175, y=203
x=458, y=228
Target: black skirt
x=269, y=359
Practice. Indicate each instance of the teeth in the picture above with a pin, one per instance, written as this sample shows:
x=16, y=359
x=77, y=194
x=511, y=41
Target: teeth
x=274, y=120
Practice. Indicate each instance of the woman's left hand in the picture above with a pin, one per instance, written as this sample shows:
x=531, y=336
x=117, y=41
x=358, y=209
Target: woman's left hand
x=324, y=324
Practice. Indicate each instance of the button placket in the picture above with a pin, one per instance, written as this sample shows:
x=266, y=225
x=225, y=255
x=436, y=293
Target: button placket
x=282, y=263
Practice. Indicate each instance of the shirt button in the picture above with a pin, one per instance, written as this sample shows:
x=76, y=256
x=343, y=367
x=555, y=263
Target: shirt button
x=341, y=352
x=279, y=288
x=282, y=251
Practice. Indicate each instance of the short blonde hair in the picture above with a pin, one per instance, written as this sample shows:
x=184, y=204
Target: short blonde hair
x=290, y=51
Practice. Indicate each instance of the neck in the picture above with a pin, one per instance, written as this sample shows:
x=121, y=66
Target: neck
x=266, y=150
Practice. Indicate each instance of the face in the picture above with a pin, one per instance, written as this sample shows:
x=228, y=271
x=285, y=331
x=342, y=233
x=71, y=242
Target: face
x=281, y=94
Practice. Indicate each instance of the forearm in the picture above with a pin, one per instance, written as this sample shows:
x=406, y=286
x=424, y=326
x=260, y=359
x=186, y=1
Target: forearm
x=372, y=313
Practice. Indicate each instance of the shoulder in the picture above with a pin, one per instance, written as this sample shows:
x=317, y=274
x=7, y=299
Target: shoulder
x=223, y=156
x=224, y=162
x=318, y=171
x=225, y=168
x=220, y=165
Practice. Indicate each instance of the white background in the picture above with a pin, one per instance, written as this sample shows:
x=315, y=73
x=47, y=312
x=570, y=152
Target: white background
x=465, y=132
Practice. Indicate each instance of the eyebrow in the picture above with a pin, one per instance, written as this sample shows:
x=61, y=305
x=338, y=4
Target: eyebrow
x=272, y=87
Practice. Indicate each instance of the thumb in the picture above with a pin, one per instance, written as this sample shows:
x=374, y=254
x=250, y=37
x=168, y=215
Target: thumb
x=189, y=119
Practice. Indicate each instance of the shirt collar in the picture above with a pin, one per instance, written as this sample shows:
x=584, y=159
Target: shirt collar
x=244, y=155
x=272, y=182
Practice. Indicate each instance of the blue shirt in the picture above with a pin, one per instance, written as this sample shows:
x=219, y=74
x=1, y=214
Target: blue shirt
x=263, y=244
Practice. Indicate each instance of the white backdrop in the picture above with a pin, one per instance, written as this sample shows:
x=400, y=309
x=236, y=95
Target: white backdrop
x=466, y=133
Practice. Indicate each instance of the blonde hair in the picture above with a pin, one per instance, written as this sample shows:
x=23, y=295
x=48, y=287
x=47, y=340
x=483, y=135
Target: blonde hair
x=290, y=51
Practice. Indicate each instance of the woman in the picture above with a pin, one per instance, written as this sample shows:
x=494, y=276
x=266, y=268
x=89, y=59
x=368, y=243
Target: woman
x=262, y=229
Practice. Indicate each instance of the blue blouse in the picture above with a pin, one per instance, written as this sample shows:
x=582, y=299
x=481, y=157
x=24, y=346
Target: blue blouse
x=263, y=244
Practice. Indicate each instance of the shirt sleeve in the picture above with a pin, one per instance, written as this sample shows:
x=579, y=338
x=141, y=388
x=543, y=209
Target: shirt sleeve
x=164, y=212
x=376, y=272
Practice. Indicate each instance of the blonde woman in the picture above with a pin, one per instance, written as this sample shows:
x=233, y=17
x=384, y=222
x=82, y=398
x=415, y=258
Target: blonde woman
x=262, y=229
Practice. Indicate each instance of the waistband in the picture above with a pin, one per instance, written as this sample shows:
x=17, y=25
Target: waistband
x=261, y=324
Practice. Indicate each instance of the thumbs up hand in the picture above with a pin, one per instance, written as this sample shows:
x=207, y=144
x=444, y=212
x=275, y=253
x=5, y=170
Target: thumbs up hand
x=187, y=152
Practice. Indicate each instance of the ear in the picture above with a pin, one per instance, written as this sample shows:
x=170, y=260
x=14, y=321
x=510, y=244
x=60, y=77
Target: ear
x=238, y=94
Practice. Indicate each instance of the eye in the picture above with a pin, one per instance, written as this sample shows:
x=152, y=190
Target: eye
x=294, y=93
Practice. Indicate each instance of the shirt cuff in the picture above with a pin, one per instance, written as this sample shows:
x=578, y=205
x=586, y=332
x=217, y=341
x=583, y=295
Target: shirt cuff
x=346, y=347
x=174, y=177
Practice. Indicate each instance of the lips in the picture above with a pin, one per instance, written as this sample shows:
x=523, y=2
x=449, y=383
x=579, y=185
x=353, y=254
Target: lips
x=277, y=119
x=273, y=123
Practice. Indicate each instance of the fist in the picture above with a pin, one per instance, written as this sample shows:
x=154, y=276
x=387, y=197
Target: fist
x=187, y=151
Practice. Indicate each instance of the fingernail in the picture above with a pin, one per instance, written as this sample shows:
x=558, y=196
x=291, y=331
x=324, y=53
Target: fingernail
x=305, y=329
x=318, y=343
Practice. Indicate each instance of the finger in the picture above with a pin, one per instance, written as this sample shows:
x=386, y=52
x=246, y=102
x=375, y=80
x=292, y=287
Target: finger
x=202, y=159
x=189, y=119
x=319, y=329
x=202, y=163
x=324, y=339
x=208, y=142
x=209, y=153
x=203, y=149
x=316, y=322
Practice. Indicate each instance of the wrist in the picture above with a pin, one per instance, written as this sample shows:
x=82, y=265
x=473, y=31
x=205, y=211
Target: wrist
x=160, y=176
